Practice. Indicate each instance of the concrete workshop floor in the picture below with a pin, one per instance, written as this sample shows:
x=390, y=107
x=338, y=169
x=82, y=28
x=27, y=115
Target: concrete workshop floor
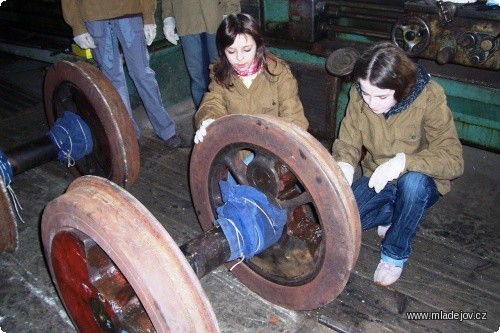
x=454, y=266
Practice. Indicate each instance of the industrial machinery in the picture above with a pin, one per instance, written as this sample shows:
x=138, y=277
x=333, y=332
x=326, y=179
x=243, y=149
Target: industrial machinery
x=458, y=43
x=117, y=269
x=112, y=150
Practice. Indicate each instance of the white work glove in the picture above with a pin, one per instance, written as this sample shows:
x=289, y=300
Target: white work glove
x=387, y=171
x=347, y=170
x=202, y=131
x=169, y=30
x=150, y=33
x=85, y=41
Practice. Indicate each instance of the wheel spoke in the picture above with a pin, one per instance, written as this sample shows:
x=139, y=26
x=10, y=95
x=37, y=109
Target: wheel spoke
x=134, y=319
x=299, y=200
x=236, y=167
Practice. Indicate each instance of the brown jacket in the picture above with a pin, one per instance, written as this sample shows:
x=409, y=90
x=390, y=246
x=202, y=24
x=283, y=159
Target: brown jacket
x=425, y=132
x=273, y=95
x=75, y=12
x=197, y=16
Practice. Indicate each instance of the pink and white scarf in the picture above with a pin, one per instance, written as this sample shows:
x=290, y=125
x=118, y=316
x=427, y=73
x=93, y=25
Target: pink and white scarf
x=254, y=68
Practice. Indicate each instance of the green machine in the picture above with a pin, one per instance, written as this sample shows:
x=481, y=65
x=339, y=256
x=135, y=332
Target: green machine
x=36, y=29
x=458, y=43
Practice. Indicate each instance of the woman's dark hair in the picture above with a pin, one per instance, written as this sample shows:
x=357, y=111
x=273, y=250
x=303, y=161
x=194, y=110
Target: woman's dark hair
x=386, y=66
x=230, y=27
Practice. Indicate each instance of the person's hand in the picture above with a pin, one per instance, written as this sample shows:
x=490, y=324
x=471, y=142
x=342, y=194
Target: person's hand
x=387, y=171
x=169, y=30
x=150, y=33
x=347, y=170
x=202, y=131
x=85, y=41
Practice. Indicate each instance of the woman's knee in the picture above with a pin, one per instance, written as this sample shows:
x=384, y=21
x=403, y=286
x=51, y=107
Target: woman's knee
x=417, y=184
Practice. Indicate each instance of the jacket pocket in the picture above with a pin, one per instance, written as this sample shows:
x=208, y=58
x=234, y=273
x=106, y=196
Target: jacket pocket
x=408, y=139
x=410, y=133
x=268, y=103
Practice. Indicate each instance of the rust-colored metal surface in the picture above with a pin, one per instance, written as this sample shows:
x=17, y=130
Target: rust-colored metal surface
x=8, y=225
x=311, y=263
x=81, y=88
x=115, y=267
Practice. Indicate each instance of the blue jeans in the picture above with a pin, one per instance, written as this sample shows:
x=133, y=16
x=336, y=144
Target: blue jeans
x=199, y=52
x=129, y=33
x=401, y=204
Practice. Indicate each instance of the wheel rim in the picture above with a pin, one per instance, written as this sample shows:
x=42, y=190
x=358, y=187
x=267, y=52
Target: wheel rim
x=115, y=267
x=8, y=225
x=311, y=263
x=81, y=88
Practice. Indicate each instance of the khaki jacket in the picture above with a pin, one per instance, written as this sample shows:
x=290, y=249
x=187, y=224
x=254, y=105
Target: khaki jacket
x=425, y=132
x=75, y=12
x=198, y=16
x=273, y=95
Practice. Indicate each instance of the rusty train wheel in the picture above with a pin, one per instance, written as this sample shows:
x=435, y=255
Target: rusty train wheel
x=311, y=263
x=116, y=268
x=81, y=88
x=8, y=225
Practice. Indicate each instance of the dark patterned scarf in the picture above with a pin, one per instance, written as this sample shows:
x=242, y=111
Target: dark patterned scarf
x=422, y=80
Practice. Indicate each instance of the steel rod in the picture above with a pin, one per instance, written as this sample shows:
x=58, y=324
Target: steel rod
x=362, y=32
x=207, y=251
x=31, y=155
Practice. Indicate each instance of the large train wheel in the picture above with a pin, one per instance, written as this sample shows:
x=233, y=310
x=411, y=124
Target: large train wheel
x=81, y=88
x=115, y=267
x=311, y=263
x=8, y=225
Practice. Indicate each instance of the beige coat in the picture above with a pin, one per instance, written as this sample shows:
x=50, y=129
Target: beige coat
x=273, y=95
x=425, y=132
x=197, y=16
x=75, y=12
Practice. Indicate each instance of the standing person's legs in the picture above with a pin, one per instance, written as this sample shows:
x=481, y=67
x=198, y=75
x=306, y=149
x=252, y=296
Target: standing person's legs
x=130, y=33
x=209, y=40
x=197, y=62
x=108, y=58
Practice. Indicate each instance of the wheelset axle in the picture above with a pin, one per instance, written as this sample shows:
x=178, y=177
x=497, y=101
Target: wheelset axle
x=73, y=92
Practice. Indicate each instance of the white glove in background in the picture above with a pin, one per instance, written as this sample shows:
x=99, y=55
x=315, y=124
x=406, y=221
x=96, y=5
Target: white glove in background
x=150, y=33
x=202, y=131
x=347, y=170
x=387, y=171
x=85, y=41
x=169, y=30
